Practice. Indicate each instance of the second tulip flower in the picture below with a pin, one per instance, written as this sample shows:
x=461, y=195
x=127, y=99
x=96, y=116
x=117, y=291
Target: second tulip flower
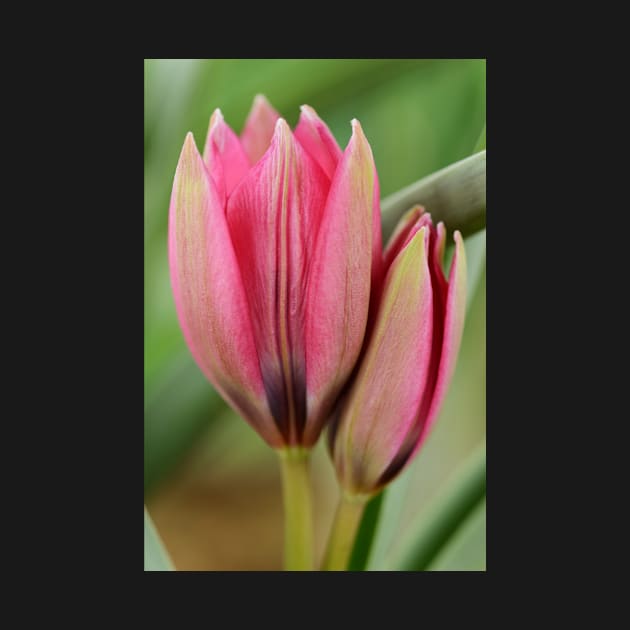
x=409, y=358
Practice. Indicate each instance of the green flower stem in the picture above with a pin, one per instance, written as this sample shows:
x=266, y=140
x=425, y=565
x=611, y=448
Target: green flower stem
x=344, y=532
x=298, y=511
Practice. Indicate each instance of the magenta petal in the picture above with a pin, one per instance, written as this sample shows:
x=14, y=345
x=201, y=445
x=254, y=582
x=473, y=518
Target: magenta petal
x=274, y=216
x=209, y=294
x=453, y=330
x=259, y=129
x=340, y=279
x=224, y=156
x=313, y=134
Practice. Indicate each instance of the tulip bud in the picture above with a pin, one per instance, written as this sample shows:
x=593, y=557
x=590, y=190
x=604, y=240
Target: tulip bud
x=408, y=360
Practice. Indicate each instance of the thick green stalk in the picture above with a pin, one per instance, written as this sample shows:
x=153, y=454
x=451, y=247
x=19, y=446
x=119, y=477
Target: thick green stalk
x=344, y=531
x=456, y=195
x=298, y=511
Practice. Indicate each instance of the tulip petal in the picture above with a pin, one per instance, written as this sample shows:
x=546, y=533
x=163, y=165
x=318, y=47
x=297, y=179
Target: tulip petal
x=224, y=156
x=209, y=294
x=438, y=284
x=313, y=134
x=453, y=330
x=449, y=309
x=416, y=433
x=382, y=404
x=274, y=216
x=259, y=128
x=340, y=280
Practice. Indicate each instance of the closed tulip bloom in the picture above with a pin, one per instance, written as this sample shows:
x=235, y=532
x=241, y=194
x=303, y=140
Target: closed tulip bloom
x=409, y=358
x=274, y=247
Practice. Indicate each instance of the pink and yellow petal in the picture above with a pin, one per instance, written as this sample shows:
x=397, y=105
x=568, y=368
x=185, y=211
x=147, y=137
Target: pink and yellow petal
x=209, y=295
x=382, y=404
x=453, y=330
x=340, y=280
x=224, y=156
x=317, y=140
x=273, y=217
x=259, y=129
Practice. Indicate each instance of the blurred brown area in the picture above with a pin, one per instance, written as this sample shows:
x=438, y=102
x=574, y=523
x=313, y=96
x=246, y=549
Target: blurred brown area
x=214, y=517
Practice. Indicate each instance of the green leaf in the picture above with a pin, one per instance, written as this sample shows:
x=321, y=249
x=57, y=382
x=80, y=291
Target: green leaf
x=456, y=195
x=389, y=519
x=434, y=526
x=366, y=533
x=466, y=550
x=155, y=556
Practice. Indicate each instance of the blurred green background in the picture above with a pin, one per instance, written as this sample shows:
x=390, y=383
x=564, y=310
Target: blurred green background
x=211, y=484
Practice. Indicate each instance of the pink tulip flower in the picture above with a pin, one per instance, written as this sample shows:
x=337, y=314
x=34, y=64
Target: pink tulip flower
x=274, y=246
x=408, y=360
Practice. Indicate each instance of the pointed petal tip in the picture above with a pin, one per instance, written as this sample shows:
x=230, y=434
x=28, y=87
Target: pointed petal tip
x=418, y=242
x=315, y=136
x=261, y=100
x=281, y=128
x=308, y=111
x=261, y=107
x=356, y=126
x=418, y=213
x=190, y=163
x=217, y=116
x=259, y=128
x=216, y=119
x=190, y=146
x=358, y=138
x=458, y=265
